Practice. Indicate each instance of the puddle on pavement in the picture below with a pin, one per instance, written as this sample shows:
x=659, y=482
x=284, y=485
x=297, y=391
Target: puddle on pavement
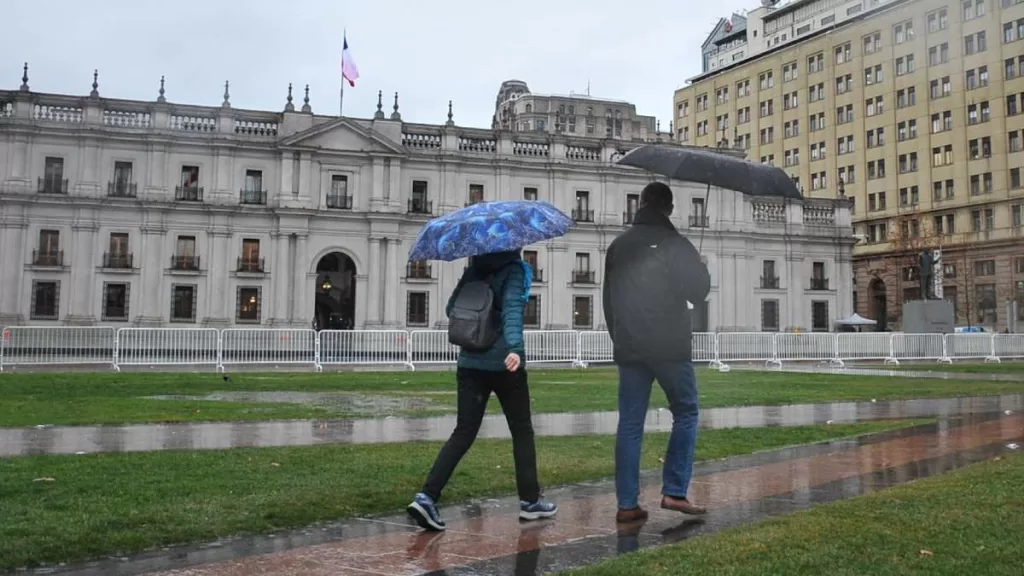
x=362, y=404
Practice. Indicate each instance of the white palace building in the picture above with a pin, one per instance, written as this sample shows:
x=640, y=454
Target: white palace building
x=152, y=213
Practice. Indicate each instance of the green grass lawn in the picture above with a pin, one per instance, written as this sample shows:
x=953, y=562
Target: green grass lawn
x=106, y=503
x=968, y=521
x=116, y=398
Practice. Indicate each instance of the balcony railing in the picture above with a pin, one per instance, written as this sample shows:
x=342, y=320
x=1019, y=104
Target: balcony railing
x=53, y=186
x=120, y=189
x=254, y=197
x=583, y=277
x=538, y=275
x=188, y=193
x=627, y=218
x=582, y=215
x=698, y=220
x=254, y=265
x=190, y=263
x=117, y=260
x=819, y=283
x=47, y=257
x=769, y=282
x=420, y=206
x=418, y=271
x=339, y=201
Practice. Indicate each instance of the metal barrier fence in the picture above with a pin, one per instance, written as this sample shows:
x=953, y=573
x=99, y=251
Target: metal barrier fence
x=235, y=347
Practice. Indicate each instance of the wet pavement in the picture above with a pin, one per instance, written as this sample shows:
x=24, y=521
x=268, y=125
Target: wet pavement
x=222, y=435
x=825, y=368
x=486, y=537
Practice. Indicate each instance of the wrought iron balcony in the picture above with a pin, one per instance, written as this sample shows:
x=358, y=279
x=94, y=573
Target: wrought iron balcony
x=121, y=189
x=254, y=265
x=189, y=263
x=188, y=193
x=819, y=283
x=698, y=220
x=47, y=257
x=538, y=275
x=254, y=197
x=420, y=206
x=627, y=218
x=117, y=260
x=582, y=215
x=339, y=201
x=53, y=186
x=769, y=282
x=583, y=277
x=419, y=271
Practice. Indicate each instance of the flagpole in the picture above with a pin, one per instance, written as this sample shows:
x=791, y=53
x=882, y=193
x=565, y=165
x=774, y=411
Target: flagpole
x=341, y=93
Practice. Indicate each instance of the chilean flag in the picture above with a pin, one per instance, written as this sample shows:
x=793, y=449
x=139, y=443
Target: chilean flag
x=349, y=70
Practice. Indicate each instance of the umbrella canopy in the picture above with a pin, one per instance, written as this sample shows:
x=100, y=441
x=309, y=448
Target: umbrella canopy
x=856, y=320
x=713, y=169
x=489, y=227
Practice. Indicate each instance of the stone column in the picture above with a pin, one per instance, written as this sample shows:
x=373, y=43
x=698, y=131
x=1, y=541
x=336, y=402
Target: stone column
x=373, y=317
x=82, y=277
x=301, y=311
x=12, y=259
x=219, y=265
x=152, y=264
x=393, y=276
x=559, y=275
x=280, y=280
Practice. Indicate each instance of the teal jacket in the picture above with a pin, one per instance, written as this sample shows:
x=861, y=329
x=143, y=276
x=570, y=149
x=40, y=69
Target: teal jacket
x=511, y=287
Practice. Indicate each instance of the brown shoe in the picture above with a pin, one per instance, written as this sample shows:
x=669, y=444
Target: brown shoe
x=681, y=505
x=630, y=514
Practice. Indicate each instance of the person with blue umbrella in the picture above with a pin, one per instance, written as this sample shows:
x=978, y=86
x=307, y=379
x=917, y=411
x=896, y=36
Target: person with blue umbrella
x=485, y=314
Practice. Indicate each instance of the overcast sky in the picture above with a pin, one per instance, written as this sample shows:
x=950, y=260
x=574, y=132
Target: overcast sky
x=429, y=51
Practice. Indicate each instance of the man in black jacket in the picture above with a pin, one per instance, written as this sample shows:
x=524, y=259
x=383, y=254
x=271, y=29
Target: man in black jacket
x=651, y=273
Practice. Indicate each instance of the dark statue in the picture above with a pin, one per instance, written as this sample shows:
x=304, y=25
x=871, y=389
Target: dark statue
x=926, y=272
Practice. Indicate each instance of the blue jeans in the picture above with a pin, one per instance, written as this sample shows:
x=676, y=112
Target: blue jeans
x=679, y=382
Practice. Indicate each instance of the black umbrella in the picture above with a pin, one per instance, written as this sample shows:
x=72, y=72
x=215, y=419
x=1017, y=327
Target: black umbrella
x=714, y=169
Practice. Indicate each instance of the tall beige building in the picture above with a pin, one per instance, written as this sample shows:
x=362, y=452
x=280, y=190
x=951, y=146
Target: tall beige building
x=912, y=108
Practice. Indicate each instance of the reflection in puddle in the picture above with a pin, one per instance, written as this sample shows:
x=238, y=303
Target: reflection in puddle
x=348, y=403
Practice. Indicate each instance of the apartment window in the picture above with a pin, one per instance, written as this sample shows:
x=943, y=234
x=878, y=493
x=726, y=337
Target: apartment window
x=903, y=32
x=876, y=169
x=909, y=196
x=793, y=157
x=49, y=253
x=476, y=193
x=702, y=128
x=743, y=115
x=818, y=181
x=791, y=101
x=183, y=302
x=980, y=147
x=789, y=72
x=986, y=298
x=938, y=54
x=905, y=65
x=818, y=151
x=816, y=92
x=847, y=175
x=874, y=106
x=985, y=268
x=815, y=63
x=582, y=212
x=418, y=202
x=416, y=312
x=975, y=43
x=876, y=137
x=908, y=162
x=702, y=105
x=766, y=80
x=253, y=192
x=118, y=255
x=743, y=88
x=1013, y=141
x=582, y=312
x=844, y=114
x=906, y=130
x=1012, y=108
x=1017, y=221
x=942, y=155
x=122, y=186
x=769, y=159
x=981, y=184
x=767, y=108
x=977, y=113
x=530, y=257
x=769, y=315
x=817, y=121
x=115, y=301
x=185, y=257
x=937, y=20
x=767, y=135
x=872, y=42
x=844, y=84
x=250, y=260
x=531, y=312
x=906, y=97
x=792, y=128
x=819, y=316
x=1015, y=178
x=873, y=75
x=843, y=53
x=189, y=189
x=45, y=299
x=942, y=122
x=844, y=145
x=973, y=9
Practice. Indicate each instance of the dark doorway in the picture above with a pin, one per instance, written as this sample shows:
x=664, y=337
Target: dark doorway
x=879, y=305
x=699, y=317
x=335, y=307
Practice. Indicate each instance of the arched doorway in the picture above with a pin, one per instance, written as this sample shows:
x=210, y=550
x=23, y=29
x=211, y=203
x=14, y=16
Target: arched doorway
x=879, y=304
x=335, y=307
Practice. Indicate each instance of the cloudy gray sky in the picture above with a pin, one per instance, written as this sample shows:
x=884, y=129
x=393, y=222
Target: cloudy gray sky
x=429, y=51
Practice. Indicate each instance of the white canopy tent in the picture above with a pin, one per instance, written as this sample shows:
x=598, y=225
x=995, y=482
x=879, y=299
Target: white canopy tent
x=856, y=321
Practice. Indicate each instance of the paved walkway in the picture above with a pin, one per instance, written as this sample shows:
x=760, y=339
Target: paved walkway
x=221, y=435
x=486, y=538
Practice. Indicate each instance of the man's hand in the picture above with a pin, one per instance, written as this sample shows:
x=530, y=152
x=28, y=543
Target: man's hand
x=512, y=361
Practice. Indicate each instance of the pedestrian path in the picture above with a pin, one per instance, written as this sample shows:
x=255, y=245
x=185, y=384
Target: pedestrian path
x=486, y=538
x=222, y=435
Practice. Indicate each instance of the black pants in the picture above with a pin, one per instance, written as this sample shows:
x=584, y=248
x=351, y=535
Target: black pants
x=475, y=387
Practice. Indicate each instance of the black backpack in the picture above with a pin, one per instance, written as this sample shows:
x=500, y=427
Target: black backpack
x=475, y=319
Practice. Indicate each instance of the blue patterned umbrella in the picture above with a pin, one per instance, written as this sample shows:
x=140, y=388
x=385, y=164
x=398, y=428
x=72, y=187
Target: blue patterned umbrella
x=489, y=227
